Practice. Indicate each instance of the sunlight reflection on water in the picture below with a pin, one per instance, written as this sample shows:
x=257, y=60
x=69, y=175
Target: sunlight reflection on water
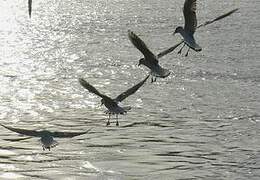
x=200, y=122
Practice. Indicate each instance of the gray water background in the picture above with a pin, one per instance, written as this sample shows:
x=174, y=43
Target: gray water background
x=202, y=122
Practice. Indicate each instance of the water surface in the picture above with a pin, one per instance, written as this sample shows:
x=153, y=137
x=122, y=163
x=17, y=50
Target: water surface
x=202, y=122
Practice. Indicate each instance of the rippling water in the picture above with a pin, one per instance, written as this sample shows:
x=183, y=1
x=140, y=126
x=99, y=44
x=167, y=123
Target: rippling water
x=200, y=123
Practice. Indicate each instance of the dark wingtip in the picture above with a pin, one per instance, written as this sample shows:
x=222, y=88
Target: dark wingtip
x=30, y=8
x=82, y=133
x=235, y=10
x=81, y=81
x=130, y=34
x=199, y=49
x=3, y=125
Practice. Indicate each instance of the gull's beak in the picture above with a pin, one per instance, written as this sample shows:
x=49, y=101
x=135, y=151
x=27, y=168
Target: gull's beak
x=139, y=64
x=174, y=33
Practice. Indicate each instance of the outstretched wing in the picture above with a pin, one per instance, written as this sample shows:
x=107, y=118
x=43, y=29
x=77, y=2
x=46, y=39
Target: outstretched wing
x=218, y=18
x=68, y=134
x=91, y=88
x=24, y=131
x=167, y=51
x=30, y=7
x=189, y=11
x=141, y=46
x=130, y=91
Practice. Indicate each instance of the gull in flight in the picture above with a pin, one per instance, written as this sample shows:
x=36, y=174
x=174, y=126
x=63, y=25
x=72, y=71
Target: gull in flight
x=150, y=60
x=112, y=104
x=190, y=27
x=46, y=140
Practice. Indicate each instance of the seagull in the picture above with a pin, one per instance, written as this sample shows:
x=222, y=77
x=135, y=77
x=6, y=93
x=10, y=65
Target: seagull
x=30, y=7
x=46, y=140
x=112, y=104
x=190, y=27
x=150, y=60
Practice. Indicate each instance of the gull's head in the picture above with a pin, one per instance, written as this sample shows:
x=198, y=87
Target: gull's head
x=141, y=61
x=178, y=30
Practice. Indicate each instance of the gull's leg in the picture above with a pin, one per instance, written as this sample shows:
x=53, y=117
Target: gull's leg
x=117, y=124
x=187, y=52
x=108, y=121
x=179, y=52
x=153, y=79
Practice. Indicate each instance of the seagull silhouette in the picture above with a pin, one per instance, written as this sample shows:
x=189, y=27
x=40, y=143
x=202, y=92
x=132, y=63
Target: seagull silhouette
x=30, y=7
x=46, y=140
x=190, y=27
x=150, y=60
x=112, y=104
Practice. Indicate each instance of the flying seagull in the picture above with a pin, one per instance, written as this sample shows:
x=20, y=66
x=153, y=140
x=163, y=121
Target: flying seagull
x=190, y=27
x=150, y=60
x=30, y=7
x=112, y=104
x=46, y=140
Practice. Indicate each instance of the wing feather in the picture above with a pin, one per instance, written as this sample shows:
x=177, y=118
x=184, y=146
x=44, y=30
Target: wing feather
x=68, y=134
x=141, y=46
x=24, y=131
x=218, y=18
x=189, y=12
x=130, y=91
x=30, y=7
x=169, y=50
x=91, y=88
